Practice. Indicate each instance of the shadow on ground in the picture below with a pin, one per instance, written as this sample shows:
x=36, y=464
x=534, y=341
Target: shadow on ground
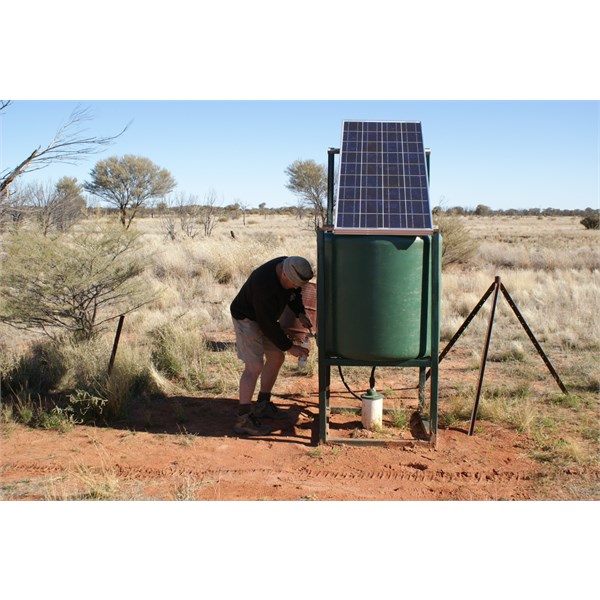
x=215, y=417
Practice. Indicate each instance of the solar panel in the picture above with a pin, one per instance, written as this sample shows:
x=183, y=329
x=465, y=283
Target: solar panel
x=383, y=186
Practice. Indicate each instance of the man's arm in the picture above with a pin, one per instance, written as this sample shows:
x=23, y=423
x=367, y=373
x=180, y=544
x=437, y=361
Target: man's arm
x=298, y=308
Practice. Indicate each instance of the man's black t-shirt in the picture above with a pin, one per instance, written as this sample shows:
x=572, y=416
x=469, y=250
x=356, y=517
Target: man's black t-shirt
x=263, y=299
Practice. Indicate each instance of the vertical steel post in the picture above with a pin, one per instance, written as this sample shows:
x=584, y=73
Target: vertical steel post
x=436, y=265
x=486, y=347
x=331, y=152
x=422, y=383
x=324, y=367
x=115, y=344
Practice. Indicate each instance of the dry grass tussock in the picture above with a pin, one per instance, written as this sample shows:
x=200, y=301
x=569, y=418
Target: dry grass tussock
x=550, y=267
x=200, y=277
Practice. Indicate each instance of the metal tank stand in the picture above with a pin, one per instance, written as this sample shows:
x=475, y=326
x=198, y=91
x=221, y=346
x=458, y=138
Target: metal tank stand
x=427, y=412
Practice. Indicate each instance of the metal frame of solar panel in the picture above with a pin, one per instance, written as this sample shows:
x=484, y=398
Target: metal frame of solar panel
x=383, y=186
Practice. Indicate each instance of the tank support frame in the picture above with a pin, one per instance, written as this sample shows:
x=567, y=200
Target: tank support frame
x=428, y=366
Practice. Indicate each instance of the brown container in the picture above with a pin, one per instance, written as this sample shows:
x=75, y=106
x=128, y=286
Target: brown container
x=291, y=325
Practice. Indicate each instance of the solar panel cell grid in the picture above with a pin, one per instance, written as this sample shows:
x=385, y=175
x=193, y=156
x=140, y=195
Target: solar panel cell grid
x=383, y=177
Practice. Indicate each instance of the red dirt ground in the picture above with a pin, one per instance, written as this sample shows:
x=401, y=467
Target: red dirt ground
x=489, y=466
x=184, y=448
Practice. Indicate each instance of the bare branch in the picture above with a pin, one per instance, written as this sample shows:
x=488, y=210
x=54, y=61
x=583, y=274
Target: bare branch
x=70, y=145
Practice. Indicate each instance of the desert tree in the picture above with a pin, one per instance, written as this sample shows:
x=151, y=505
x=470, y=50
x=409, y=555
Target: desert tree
x=129, y=183
x=167, y=218
x=189, y=215
x=51, y=207
x=41, y=204
x=185, y=209
x=70, y=283
x=56, y=207
x=482, y=210
x=209, y=212
x=69, y=202
x=244, y=207
x=308, y=181
x=14, y=207
x=70, y=145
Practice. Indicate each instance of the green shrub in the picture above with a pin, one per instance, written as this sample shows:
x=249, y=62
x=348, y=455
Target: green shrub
x=458, y=246
x=25, y=412
x=57, y=419
x=87, y=408
x=38, y=414
x=591, y=221
x=69, y=283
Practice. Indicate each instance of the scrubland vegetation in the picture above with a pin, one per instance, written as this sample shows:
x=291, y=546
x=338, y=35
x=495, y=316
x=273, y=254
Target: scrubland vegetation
x=549, y=265
x=187, y=285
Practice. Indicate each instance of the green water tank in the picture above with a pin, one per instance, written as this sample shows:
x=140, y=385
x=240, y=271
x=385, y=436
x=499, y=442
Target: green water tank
x=377, y=296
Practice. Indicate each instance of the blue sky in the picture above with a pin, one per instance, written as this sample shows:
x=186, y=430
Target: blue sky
x=505, y=154
x=507, y=95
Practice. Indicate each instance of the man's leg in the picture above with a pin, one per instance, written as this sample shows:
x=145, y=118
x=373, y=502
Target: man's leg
x=248, y=381
x=270, y=371
x=249, y=349
x=274, y=361
x=247, y=423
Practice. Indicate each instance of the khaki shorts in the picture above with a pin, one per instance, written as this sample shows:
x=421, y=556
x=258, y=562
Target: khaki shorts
x=251, y=342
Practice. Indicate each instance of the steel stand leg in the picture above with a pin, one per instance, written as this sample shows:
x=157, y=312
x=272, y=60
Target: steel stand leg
x=422, y=380
x=324, y=384
x=484, y=356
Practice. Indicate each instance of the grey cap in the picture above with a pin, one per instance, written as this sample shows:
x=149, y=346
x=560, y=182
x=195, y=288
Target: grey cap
x=298, y=270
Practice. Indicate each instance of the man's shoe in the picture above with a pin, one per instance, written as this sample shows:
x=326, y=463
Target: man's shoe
x=266, y=409
x=248, y=425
